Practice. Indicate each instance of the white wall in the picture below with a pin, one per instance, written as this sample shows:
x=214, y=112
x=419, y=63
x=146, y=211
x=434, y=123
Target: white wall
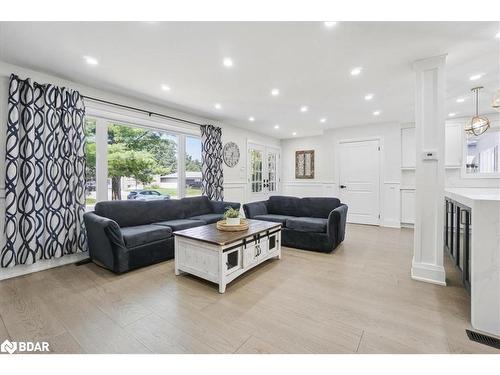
x=235, y=185
x=326, y=181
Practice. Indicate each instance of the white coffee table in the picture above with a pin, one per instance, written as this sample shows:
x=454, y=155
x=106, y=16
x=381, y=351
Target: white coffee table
x=220, y=256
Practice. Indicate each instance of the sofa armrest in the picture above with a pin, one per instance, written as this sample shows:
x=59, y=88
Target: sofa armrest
x=255, y=208
x=104, y=239
x=336, y=224
x=219, y=207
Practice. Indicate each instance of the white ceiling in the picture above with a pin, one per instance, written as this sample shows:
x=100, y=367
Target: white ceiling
x=308, y=62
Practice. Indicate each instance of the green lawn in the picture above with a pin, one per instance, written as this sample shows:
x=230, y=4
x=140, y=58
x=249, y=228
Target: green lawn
x=90, y=201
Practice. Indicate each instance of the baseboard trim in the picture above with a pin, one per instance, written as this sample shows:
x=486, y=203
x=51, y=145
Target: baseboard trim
x=390, y=224
x=41, y=265
x=428, y=273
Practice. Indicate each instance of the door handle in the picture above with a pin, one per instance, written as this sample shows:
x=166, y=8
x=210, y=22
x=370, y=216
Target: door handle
x=343, y=186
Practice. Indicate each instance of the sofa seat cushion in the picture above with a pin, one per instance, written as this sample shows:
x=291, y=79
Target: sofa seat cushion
x=208, y=218
x=143, y=234
x=180, y=224
x=274, y=218
x=307, y=224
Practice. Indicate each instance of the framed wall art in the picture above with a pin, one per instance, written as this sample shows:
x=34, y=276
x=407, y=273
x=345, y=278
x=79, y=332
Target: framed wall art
x=304, y=164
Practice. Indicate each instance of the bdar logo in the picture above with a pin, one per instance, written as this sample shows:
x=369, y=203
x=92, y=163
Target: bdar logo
x=8, y=347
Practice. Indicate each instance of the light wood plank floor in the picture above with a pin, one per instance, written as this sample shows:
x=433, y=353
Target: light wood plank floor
x=359, y=299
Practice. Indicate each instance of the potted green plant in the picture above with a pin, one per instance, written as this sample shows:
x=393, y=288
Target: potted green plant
x=232, y=216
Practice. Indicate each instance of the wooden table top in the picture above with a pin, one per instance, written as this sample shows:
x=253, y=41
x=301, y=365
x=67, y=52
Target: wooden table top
x=209, y=233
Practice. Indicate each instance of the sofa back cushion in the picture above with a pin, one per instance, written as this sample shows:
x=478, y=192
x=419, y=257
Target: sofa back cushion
x=196, y=206
x=289, y=206
x=320, y=207
x=305, y=207
x=134, y=212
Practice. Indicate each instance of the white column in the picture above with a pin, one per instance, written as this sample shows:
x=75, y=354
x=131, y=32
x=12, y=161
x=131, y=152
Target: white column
x=101, y=145
x=427, y=264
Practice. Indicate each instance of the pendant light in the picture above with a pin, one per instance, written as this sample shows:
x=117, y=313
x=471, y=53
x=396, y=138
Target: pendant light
x=496, y=101
x=478, y=124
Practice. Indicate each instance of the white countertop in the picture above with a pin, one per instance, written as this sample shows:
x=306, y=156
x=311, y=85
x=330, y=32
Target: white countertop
x=474, y=194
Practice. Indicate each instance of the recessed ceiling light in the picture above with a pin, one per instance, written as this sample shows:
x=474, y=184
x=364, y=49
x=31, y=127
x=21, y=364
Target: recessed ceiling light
x=275, y=92
x=498, y=35
x=251, y=119
x=276, y=126
x=376, y=113
x=356, y=71
x=368, y=96
x=329, y=24
x=304, y=108
x=217, y=106
x=294, y=134
x=227, y=62
x=165, y=87
x=475, y=77
x=460, y=100
x=91, y=60
x=452, y=114
x=323, y=120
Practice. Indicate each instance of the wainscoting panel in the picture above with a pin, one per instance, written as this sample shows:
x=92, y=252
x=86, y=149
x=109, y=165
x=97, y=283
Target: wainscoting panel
x=235, y=191
x=310, y=189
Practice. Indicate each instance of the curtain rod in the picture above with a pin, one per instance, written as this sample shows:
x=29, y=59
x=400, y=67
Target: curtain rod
x=149, y=113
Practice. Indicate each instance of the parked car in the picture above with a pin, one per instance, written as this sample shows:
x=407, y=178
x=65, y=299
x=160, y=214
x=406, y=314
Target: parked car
x=147, y=195
x=90, y=186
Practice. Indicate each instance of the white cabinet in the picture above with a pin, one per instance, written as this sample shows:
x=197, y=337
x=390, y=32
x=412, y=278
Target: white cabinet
x=408, y=206
x=408, y=148
x=453, y=145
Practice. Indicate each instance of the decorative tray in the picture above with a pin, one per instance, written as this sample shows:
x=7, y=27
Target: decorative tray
x=221, y=225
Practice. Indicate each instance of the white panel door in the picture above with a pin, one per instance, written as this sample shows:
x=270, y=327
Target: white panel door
x=359, y=180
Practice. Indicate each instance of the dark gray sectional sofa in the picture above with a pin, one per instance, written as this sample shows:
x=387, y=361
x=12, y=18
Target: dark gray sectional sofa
x=316, y=224
x=124, y=235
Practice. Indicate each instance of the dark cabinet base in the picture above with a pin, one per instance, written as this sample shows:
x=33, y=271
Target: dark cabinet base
x=457, y=237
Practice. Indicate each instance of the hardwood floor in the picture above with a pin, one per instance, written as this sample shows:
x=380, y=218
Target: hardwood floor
x=359, y=299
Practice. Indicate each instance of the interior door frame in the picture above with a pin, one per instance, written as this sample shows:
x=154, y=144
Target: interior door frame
x=380, y=140
x=278, y=166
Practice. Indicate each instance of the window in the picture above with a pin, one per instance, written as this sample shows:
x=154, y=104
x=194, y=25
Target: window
x=90, y=167
x=193, y=166
x=134, y=160
x=141, y=159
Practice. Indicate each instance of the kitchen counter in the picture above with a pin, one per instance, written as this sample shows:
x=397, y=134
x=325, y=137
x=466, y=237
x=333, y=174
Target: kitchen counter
x=473, y=194
x=484, y=205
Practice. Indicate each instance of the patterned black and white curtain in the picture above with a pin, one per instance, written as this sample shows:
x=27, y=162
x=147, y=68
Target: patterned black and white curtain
x=44, y=173
x=211, y=169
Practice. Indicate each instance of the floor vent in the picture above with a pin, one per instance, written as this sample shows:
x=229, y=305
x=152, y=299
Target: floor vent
x=483, y=339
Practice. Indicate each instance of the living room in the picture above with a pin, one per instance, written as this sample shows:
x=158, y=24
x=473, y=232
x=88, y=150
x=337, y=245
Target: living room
x=165, y=184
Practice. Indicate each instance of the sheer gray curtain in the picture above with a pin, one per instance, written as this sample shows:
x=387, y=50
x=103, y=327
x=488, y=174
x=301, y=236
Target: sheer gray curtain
x=44, y=173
